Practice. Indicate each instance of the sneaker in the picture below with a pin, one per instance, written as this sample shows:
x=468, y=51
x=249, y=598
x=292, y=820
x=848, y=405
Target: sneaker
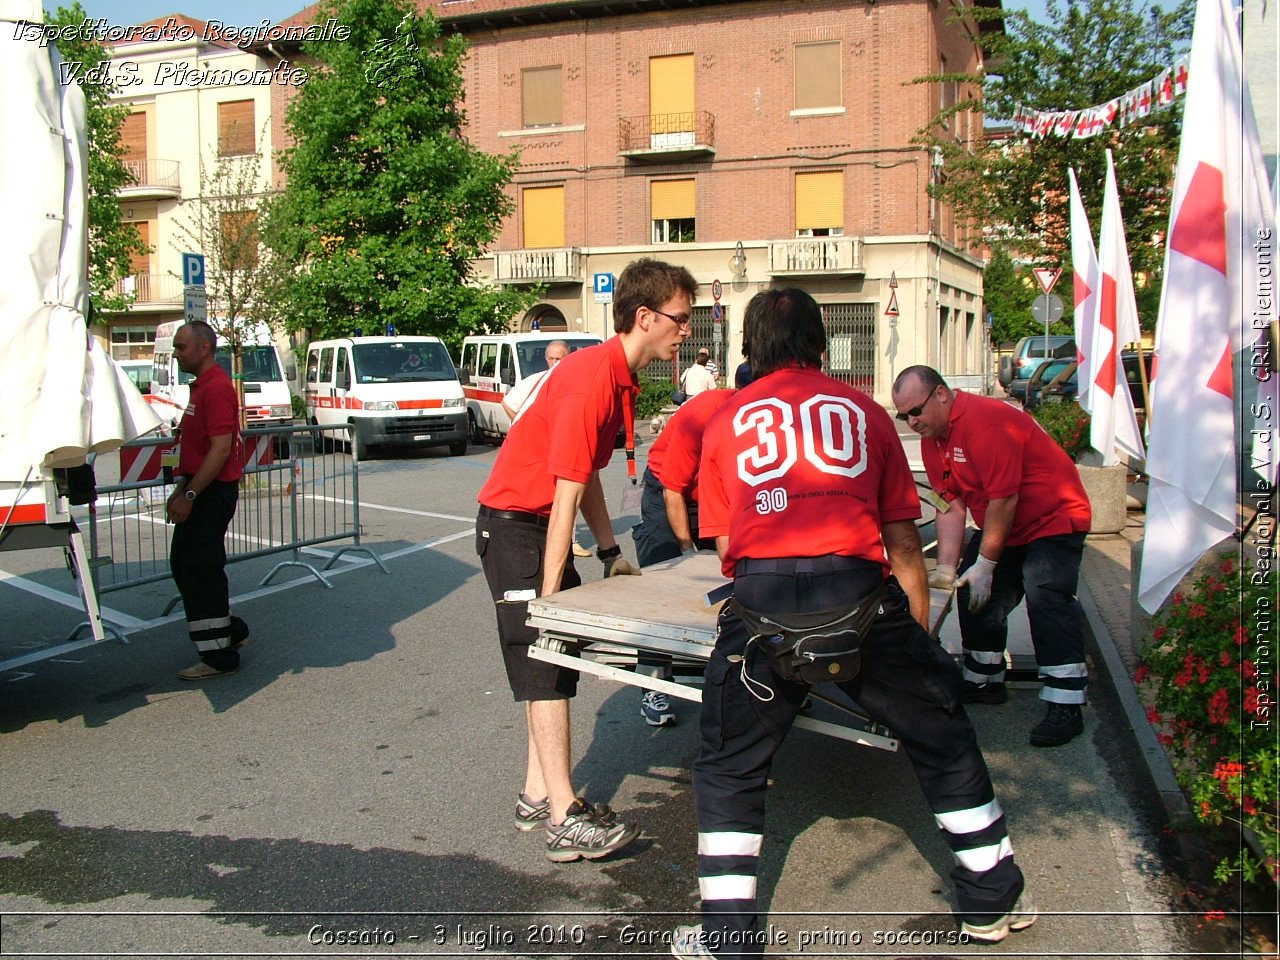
x=990, y=693
x=1022, y=915
x=689, y=942
x=529, y=814
x=579, y=550
x=1062, y=723
x=239, y=633
x=656, y=709
x=202, y=671
x=585, y=833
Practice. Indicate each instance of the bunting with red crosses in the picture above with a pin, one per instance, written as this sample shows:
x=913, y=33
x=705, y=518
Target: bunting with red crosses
x=1158, y=93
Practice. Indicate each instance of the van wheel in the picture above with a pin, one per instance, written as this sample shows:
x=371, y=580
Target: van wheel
x=473, y=429
x=458, y=448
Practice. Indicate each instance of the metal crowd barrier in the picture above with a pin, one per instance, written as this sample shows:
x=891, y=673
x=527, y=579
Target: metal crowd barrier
x=297, y=492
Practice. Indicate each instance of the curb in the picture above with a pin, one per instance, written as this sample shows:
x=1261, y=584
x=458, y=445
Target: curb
x=1171, y=795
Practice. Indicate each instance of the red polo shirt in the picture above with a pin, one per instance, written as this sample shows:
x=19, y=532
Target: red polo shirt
x=995, y=450
x=674, y=456
x=798, y=464
x=567, y=431
x=212, y=411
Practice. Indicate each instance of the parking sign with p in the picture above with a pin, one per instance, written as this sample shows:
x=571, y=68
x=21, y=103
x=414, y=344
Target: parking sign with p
x=193, y=270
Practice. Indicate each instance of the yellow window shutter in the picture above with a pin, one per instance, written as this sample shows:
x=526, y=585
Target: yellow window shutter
x=817, y=75
x=671, y=86
x=820, y=200
x=543, y=217
x=672, y=200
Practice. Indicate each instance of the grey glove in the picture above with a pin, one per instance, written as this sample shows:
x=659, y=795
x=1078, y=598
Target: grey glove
x=942, y=577
x=978, y=579
x=615, y=564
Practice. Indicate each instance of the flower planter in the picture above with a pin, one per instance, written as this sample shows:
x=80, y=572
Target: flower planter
x=1107, y=494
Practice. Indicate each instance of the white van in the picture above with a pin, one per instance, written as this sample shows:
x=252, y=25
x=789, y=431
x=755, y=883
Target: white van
x=267, y=402
x=494, y=363
x=392, y=390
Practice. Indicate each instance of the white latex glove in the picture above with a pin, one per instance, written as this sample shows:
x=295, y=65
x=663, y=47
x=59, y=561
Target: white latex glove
x=978, y=579
x=942, y=577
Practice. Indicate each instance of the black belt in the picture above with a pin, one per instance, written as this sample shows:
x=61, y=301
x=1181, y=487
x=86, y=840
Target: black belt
x=536, y=519
x=792, y=565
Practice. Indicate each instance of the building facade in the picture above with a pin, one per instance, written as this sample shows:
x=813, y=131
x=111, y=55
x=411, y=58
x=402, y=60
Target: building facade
x=759, y=143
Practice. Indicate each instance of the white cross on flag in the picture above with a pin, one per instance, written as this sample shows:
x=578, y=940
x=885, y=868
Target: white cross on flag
x=1115, y=323
x=1084, y=284
x=1221, y=223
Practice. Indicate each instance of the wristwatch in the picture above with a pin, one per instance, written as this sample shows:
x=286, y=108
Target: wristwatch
x=189, y=494
x=609, y=554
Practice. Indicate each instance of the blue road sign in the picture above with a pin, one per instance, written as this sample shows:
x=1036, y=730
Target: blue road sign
x=717, y=312
x=193, y=269
x=602, y=286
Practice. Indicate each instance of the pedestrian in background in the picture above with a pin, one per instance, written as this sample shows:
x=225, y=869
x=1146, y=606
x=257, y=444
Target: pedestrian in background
x=207, y=488
x=697, y=377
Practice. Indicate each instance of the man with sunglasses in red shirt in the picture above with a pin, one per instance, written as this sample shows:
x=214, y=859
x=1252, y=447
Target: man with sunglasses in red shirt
x=990, y=458
x=547, y=471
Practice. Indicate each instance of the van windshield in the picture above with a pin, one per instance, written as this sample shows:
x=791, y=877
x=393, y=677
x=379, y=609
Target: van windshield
x=404, y=361
x=532, y=354
x=260, y=365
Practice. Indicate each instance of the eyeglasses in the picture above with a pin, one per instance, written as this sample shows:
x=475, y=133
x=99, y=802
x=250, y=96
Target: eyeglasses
x=684, y=323
x=906, y=415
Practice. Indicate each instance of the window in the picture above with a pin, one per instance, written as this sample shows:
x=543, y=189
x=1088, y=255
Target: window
x=673, y=209
x=239, y=236
x=540, y=97
x=543, y=217
x=820, y=204
x=817, y=76
x=313, y=366
x=326, y=365
x=671, y=119
x=235, y=128
x=133, y=137
x=488, y=360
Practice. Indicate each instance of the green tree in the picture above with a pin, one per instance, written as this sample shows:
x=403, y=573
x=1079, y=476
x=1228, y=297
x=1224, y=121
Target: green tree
x=1009, y=292
x=386, y=202
x=113, y=242
x=1088, y=53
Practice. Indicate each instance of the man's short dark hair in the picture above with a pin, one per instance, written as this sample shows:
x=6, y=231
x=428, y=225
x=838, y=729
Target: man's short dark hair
x=784, y=327
x=648, y=283
x=929, y=378
x=202, y=331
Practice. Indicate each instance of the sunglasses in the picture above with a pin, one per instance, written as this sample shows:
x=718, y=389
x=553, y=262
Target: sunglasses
x=906, y=415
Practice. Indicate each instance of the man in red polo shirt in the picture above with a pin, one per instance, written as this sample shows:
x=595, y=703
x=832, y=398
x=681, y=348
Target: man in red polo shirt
x=210, y=464
x=546, y=472
x=1025, y=495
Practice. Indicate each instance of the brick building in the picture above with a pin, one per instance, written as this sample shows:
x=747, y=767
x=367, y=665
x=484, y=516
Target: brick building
x=758, y=142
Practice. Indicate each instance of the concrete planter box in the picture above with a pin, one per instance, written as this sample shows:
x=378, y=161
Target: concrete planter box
x=1105, y=487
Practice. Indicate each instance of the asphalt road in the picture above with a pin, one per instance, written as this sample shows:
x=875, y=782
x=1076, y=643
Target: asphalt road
x=349, y=792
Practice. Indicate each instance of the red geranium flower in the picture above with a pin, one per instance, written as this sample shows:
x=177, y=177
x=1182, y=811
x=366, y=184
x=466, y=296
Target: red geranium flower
x=1220, y=708
x=1140, y=675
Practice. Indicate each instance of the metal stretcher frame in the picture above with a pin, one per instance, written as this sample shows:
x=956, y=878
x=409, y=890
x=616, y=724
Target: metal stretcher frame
x=671, y=609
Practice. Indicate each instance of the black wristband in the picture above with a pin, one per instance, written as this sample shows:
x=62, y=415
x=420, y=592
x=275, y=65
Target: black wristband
x=609, y=554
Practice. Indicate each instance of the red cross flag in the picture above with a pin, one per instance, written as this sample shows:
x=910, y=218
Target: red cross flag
x=1210, y=308
x=1085, y=283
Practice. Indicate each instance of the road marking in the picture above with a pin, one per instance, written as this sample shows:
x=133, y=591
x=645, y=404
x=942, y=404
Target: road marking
x=72, y=600
x=416, y=513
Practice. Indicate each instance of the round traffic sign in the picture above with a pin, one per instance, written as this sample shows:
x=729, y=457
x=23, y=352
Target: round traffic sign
x=716, y=289
x=717, y=312
x=1052, y=303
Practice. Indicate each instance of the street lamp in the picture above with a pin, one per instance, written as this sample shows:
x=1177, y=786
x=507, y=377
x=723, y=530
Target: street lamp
x=738, y=263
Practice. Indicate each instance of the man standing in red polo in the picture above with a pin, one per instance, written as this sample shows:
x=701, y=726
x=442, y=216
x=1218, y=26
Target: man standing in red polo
x=546, y=472
x=203, y=502
x=1025, y=495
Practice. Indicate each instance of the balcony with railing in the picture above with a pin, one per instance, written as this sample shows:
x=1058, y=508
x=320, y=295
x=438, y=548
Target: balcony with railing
x=152, y=291
x=668, y=136
x=151, y=180
x=814, y=256
x=549, y=265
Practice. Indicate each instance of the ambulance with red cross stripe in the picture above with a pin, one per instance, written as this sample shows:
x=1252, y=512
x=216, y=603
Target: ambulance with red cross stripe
x=393, y=391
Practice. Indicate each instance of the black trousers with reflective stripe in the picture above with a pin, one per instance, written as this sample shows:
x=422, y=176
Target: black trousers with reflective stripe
x=198, y=559
x=906, y=682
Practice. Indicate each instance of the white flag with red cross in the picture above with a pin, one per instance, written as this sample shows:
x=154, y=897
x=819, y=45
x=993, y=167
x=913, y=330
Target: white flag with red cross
x=1115, y=324
x=1210, y=309
x=1084, y=285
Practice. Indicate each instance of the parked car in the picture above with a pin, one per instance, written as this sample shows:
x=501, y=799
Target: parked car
x=1067, y=388
x=1029, y=353
x=1050, y=373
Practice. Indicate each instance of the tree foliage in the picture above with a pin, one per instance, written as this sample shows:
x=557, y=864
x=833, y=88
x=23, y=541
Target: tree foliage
x=1088, y=53
x=386, y=202
x=1009, y=292
x=113, y=242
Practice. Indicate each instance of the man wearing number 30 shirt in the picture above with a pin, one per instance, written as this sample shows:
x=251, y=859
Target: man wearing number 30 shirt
x=805, y=486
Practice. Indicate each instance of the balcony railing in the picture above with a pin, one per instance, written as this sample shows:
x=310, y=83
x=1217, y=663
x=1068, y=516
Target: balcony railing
x=549, y=265
x=667, y=136
x=808, y=256
x=152, y=178
x=151, y=288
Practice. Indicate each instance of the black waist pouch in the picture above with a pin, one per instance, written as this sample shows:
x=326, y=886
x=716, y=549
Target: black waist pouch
x=814, y=647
